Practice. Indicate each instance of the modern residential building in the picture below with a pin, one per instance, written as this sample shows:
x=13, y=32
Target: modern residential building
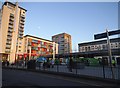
x=64, y=41
x=101, y=46
x=11, y=28
x=33, y=47
x=98, y=45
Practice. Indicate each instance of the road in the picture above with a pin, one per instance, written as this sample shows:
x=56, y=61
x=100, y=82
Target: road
x=25, y=78
x=12, y=77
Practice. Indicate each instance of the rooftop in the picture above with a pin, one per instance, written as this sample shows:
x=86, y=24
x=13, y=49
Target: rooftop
x=99, y=41
x=5, y=3
x=37, y=38
x=61, y=34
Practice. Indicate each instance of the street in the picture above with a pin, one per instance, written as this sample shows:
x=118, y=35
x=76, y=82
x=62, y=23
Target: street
x=25, y=78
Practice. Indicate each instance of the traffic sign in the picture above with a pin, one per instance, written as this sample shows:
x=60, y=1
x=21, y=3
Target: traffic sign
x=104, y=35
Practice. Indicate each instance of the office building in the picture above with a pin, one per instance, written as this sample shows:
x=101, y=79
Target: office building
x=64, y=41
x=11, y=29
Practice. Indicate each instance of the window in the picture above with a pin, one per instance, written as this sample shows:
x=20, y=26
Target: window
x=92, y=47
x=119, y=45
x=85, y=48
x=104, y=47
x=116, y=45
x=19, y=50
x=88, y=48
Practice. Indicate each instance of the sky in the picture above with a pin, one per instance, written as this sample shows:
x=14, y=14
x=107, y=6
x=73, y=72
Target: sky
x=79, y=19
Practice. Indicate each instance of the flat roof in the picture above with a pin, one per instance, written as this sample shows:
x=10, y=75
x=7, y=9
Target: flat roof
x=5, y=3
x=100, y=41
x=61, y=34
x=37, y=37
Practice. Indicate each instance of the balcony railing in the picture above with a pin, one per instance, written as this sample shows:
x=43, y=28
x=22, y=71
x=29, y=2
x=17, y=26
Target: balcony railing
x=9, y=39
x=23, y=20
x=8, y=47
x=21, y=30
x=23, y=17
x=9, y=30
x=7, y=50
x=20, y=36
x=11, y=20
x=11, y=16
x=8, y=43
x=10, y=26
x=22, y=23
x=9, y=34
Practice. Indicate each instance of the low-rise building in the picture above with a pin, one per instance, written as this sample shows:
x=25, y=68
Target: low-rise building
x=101, y=46
x=98, y=45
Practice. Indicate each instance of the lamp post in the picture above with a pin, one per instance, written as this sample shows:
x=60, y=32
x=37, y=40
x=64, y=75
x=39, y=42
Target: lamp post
x=110, y=54
x=53, y=50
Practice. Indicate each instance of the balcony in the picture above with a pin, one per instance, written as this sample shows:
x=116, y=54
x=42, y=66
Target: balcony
x=9, y=39
x=22, y=20
x=11, y=16
x=10, y=27
x=7, y=50
x=11, y=23
x=21, y=30
x=22, y=23
x=11, y=20
x=34, y=48
x=10, y=31
x=20, y=33
x=23, y=17
x=8, y=46
x=21, y=26
x=20, y=36
x=9, y=34
x=8, y=43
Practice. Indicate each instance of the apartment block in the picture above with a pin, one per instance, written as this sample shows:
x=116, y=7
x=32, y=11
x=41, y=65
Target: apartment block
x=64, y=41
x=34, y=47
x=11, y=29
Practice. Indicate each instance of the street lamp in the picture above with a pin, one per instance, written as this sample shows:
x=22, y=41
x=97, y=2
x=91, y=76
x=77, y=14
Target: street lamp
x=53, y=50
x=110, y=53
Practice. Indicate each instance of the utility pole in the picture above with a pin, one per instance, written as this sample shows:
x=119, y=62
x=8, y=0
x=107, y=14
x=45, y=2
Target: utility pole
x=110, y=54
